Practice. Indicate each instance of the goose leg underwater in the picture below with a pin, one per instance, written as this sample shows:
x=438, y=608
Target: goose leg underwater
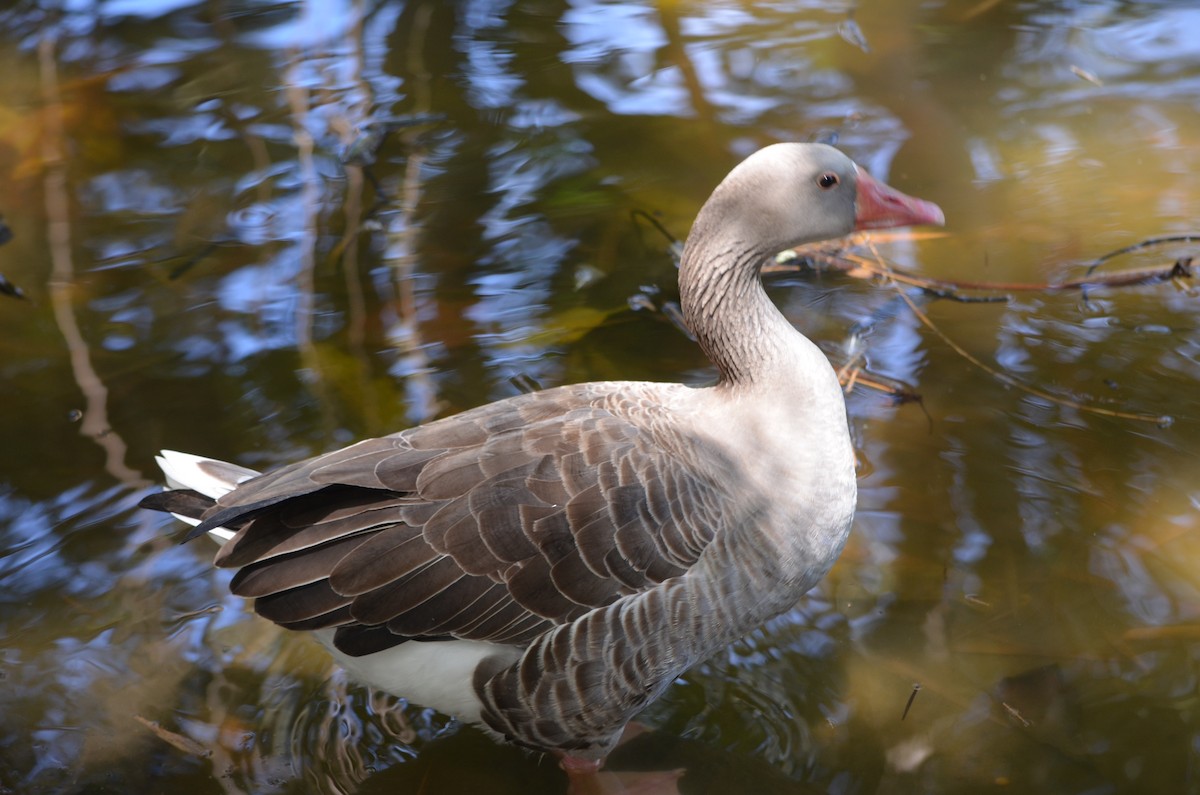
x=546, y=565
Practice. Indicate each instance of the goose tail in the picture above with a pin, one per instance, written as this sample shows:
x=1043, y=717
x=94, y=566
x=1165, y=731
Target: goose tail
x=194, y=484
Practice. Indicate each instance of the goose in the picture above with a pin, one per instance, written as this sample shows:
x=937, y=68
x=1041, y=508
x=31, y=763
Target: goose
x=547, y=565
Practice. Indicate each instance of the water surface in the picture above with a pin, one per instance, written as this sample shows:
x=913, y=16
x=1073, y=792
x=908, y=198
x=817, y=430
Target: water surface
x=259, y=231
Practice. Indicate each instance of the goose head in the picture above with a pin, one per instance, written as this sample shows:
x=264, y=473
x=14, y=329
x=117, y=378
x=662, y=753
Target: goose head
x=789, y=194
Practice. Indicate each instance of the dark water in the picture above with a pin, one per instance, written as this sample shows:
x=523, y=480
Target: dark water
x=221, y=252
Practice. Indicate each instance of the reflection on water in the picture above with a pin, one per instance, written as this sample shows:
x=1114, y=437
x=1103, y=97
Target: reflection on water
x=257, y=231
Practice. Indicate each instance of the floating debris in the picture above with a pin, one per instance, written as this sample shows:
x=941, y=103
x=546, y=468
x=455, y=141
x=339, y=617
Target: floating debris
x=911, y=697
x=10, y=289
x=1084, y=74
x=178, y=741
x=1015, y=715
x=852, y=33
x=525, y=383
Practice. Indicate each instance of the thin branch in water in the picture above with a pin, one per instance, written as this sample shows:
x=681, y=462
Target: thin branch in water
x=185, y=744
x=957, y=297
x=1084, y=74
x=1149, y=242
x=852, y=376
x=674, y=314
x=1161, y=420
x=911, y=697
x=674, y=245
x=844, y=260
x=1012, y=712
x=525, y=383
x=191, y=262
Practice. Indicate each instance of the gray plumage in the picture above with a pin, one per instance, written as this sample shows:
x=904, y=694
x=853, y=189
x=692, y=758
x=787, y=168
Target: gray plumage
x=604, y=537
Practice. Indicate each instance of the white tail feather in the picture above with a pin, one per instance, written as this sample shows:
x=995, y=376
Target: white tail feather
x=210, y=477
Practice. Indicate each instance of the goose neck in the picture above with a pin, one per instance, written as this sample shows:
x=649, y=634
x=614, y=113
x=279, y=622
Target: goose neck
x=726, y=308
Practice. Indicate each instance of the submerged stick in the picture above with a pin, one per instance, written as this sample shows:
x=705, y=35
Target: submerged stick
x=916, y=688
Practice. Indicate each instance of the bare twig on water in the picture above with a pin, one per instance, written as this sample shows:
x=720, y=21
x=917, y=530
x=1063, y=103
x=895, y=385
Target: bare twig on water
x=851, y=375
x=911, y=697
x=856, y=266
x=1084, y=74
x=185, y=744
x=1012, y=712
x=674, y=247
x=1008, y=379
x=1141, y=245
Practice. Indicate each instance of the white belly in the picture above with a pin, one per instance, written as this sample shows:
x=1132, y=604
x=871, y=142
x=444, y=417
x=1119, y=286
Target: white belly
x=435, y=674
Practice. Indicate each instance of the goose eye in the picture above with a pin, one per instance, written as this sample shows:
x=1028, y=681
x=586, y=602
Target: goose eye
x=828, y=180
